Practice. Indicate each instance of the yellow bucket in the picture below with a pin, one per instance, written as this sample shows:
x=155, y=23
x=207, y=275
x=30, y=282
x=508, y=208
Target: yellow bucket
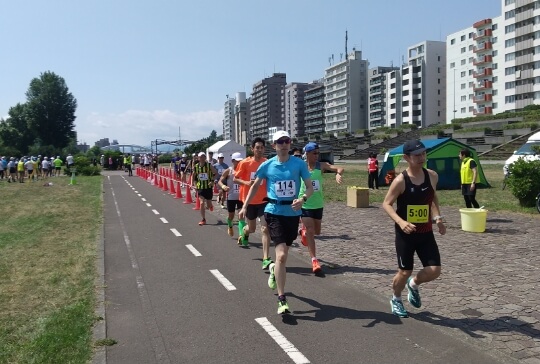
x=473, y=220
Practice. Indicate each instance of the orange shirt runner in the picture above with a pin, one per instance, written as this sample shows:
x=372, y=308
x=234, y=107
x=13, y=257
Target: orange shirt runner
x=246, y=171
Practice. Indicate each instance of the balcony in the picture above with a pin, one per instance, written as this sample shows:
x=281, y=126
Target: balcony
x=482, y=23
x=483, y=86
x=484, y=33
x=483, y=60
x=483, y=47
x=483, y=98
x=485, y=73
x=483, y=111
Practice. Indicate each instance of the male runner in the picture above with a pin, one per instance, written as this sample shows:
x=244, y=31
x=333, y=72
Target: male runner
x=226, y=183
x=220, y=166
x=202, y=178
x=183, y=165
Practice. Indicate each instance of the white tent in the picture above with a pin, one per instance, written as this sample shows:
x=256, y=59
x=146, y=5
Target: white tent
x=227, y=147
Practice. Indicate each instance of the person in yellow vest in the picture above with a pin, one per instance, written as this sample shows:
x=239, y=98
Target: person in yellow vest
x=21, y=170
x=127, y=164
x=469, y=177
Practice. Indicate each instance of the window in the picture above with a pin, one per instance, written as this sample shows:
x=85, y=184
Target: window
x=471, y=108
x=463, y=74
x=494, y=79
x=463, y=61
x=463, y=49
x=405, y=103
x=393, y=106
x=462, y=38
x=405, y=82
x=464, y=98
x=393, y=96
x=494, y=92
x=438, y=91
x=494, y=40
x=463, y=110
x=470, y=72
x=438, y=113
x=494, y=105
x=463, y=86
x=438, y=58
x=392, y=116
x=494, y=66
x=439, y=81
x=471, y=34
x=471, y=47
x=393, y=85
x=494, y=27
x=452, y=41
x=495, y=53
x=438, y=102
x=471, y=59
x=438, y=69
x=405, y=114
x=453, y=64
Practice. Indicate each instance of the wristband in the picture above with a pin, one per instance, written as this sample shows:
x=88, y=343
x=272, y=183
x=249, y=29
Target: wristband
x=438, y=217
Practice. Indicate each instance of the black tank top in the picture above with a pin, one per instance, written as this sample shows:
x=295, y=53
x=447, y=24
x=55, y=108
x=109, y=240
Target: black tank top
x=414, y=205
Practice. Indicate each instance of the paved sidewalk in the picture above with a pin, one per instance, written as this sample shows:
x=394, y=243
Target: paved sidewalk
x=488, y=291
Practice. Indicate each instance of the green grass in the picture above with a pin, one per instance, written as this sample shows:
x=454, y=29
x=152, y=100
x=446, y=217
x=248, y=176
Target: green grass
x=47, y=270
x=494, y=198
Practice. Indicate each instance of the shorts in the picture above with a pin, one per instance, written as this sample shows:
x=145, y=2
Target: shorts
x=255, y=211
x=58, y=168
x=282, y=229
x=233, y=205
x=13, y=170
x=147, y=165
x=183, y=170
x=423, y=244
x=313, y=213
x=206, y=193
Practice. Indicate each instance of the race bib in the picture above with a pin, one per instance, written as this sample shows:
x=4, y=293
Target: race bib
x=285, y=188
x=316, y=185
x=236, y=188
x=252, y=177
x=417, y=213
x=203, y=176
x=220, y=171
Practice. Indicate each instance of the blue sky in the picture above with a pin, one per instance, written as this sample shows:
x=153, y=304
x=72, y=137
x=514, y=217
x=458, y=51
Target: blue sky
x=140, y=70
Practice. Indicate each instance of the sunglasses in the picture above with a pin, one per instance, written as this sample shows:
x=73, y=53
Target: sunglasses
x=283, y=141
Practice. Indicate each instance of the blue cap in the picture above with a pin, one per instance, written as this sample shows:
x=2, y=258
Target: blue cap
x=310, y=147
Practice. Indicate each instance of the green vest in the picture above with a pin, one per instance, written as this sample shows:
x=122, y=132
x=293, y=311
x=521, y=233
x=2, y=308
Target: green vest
x=466, y=172
x=316, y=201
x=203, y=175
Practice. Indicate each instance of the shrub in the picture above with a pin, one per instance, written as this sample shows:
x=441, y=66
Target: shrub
x=164, y=158
x=524, y=181
x=89, y=171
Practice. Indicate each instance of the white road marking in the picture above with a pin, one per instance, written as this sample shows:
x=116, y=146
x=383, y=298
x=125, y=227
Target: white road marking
x=176, y=233
x=193, y=250
x=149, y=205
x=155, y=212
x=282, y=341
x=143, y=199
x=163, y=220
x=136, y=192
x=139, y=195
x=224, y=281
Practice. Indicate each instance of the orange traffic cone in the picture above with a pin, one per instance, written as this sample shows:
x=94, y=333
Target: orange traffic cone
x=165, y=187
x=173, y=192
x=216, y=191
x=160, y=183
x=178, y=191
x=188, y=195
x=197, y=203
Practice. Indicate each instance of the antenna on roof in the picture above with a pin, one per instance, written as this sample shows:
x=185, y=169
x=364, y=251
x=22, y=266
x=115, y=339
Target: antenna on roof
x=346, y=39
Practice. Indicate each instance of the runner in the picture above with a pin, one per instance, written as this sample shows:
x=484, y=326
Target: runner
x=202, y=178
x=245, y=176
x=29, y=166
x=417, y=205
x=183, y=166
x=283, y=175
x=220, y=166
x=226, y=183
x=175, y=164
x=312, y=210
x=12, y=166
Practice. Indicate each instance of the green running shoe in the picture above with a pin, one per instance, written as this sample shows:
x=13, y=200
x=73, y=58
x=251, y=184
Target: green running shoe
x=283, y=307
x=272, y=278
x=413, y=296
x=266, y=263
x=398, y=309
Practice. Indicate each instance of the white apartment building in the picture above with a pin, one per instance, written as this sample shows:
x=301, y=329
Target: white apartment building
x=294, y=108
x=379, y=110
x=346, y=94
x=241, y=119
x=495, y=63
x=228, y=119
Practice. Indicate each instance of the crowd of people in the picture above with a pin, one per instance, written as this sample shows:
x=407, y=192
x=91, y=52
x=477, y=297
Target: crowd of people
x=32, y=168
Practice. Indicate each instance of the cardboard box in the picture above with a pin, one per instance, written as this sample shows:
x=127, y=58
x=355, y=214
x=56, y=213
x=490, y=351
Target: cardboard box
x=357, y=197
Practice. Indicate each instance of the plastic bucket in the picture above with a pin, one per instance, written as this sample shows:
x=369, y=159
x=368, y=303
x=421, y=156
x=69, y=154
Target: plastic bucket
x=473, y=220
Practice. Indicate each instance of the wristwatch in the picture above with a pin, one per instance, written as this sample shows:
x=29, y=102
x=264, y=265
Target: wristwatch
x=304, y=198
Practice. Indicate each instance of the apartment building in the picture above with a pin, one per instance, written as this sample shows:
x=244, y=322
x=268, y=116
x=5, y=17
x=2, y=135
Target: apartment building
x=267, y=106
x=346, y=94
x=241, y=119
x=294, y=108
x=314, y=108
x=228, y=119
x=378, y=109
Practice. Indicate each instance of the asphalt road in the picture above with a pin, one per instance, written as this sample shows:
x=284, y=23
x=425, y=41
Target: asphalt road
x=164, y=303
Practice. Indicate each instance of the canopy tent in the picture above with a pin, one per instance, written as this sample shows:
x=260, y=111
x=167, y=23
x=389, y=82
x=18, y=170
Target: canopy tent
x=227, y=147
x=442, y=157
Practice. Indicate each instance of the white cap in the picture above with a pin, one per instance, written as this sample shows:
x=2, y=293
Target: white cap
x=201, y=154
x=237, y=156
x=193, y=155
x=220, y=155
x=280, y=134
x=183, y=155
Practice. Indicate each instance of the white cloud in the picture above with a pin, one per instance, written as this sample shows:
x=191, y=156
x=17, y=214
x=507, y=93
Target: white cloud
x=141, y=127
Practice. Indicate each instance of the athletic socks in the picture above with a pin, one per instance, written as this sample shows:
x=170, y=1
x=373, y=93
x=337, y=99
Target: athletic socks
x=229, y=222
x=396, y=298
x=413, y=284
x=241, y=224
x=282, y=297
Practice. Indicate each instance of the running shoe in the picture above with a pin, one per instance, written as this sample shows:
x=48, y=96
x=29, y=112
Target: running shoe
x=239, y=240
x=304, y=237
x=272, y=278
x=316, y=266
x=283, y=307
x=413, y=296
x=202, y=222
x=266, y=263
x=398, y=309
x=230, y=231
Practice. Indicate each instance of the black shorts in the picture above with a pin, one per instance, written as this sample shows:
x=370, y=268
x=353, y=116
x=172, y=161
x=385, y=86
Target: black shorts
x=13, y=170
x=233, y=205
x=206, y=193
x=255, y=211
x=147, y=165
x=282, y=229
x=182, y=169
x=313, y=213
x=423, y=244
x=58, y=168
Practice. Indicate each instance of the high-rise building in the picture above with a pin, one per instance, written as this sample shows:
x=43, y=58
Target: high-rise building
x=314, y=108
x=492, y=65
x=346, y=94
x=378, y=109
x=294, y=108
x=228, y=119
x=241, y=119
x=267, y=106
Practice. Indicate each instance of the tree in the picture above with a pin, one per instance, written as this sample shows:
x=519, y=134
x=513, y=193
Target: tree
x=15, y=131
x=50, y=109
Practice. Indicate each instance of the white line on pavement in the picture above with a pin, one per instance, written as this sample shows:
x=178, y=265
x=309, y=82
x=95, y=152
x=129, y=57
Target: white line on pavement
x=282, y=341
x=147, y=204
x=155, y=212
x=136, y=191
x=224, y=281
x=139, y=195
x=143, y=199
x=163, y=220
x=175, y=232
x=193, y=250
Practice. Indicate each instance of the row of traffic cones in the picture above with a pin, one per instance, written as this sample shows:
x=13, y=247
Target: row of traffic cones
x=168, y=184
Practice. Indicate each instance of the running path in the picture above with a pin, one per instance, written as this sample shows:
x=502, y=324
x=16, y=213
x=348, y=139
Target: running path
x=167, y=304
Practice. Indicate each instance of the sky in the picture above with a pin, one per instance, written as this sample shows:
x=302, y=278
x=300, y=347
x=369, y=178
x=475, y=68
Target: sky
x=143, y=70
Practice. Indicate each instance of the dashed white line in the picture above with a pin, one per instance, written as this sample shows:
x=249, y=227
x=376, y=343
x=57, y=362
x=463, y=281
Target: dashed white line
x=136, y=191
x=139, y=195
x=149, y=205
x=224, y=281
x=163, y=220
x=133, y=188
x=155, y=212
x=282, y=341
x=193, y=250
x=176, y=233
x=143, y=199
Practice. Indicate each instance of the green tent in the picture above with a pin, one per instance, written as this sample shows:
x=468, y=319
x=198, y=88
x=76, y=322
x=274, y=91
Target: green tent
x=442, y=157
